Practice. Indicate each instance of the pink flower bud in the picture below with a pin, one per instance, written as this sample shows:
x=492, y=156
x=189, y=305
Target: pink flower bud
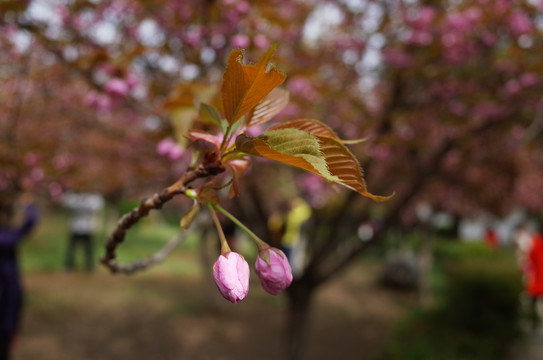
x=275, y=275
x=231, y=274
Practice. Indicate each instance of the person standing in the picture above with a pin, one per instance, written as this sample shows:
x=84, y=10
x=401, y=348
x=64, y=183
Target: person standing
x=83, y=209
x=535, y=275
x=523, y=244
x=491, y=239
x=11, y=293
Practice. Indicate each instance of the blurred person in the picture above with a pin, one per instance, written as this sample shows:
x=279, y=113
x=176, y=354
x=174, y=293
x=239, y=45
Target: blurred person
x=11, y=293
x=523, y=243
x=292, y=242
x=535, y=275
x=491, y=239
x=83, y=207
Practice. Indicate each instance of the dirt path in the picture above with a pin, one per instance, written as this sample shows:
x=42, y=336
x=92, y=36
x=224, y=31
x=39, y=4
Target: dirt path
x=158, y=316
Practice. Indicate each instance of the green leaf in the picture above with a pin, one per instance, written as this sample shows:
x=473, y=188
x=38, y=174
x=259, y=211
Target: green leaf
x=209, y=115
x=236, y=125
x=301, y=152
x=300, y=144
x=190, y=215
x=312, y=146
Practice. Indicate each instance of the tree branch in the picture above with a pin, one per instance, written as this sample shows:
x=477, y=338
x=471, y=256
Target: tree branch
x=154, y=259
x=338, y=220
x=154, y=202
x=423, y=175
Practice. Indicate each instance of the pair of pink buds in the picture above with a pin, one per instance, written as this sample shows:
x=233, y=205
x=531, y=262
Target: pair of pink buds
x=231, y=273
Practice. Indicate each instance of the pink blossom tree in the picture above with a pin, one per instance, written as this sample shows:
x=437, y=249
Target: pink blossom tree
x=446, y=93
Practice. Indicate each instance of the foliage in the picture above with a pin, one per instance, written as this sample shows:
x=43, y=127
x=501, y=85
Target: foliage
x=477, y=312
x=248, y=100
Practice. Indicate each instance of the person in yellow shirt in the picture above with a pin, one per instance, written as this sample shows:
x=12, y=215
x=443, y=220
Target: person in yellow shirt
x=292, y=242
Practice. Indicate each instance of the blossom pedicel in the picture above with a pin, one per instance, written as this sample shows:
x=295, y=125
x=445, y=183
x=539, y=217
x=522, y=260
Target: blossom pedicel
x=276, y=274
x=231, y=274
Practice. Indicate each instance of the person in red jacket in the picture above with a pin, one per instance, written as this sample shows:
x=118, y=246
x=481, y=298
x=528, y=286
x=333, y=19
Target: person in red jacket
x=491, y=239
x=535, y=273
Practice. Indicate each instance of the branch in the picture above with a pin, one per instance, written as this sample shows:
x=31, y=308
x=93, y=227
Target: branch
x=536, y=126
x=338, y=220
x=154, y=259
x=154, y=202
x=431, y=169
x=85, y=73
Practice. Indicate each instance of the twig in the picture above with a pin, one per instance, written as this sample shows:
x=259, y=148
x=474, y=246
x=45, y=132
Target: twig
x=154, y=259
x=154, y=202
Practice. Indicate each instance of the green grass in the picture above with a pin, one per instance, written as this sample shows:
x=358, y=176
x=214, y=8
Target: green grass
x=45, y=249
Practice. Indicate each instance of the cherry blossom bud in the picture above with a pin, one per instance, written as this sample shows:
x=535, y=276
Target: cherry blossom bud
x=275, y=274
x=231, y=274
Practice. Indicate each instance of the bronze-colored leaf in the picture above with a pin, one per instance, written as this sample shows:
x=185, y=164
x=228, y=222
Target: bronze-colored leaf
x=312, y=126
x=317, y=128
x=268, y=107
x=344, y=165
x=320, y=152
x=245, y=85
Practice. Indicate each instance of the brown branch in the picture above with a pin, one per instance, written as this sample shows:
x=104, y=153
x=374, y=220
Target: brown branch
x=85, y=73
x=431, y=169
x=331, y=241
x=154, y=202
x=154, y=259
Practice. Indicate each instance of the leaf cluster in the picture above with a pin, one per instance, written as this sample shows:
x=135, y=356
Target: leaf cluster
x=250, y=97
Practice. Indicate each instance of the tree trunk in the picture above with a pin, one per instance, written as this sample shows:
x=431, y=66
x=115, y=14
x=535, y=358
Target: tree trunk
x=300, y=295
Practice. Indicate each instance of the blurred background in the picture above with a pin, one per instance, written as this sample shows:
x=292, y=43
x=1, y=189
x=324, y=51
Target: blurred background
x=96, y=97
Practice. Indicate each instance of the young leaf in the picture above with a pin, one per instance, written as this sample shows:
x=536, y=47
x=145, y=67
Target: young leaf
x=312, y=126
x=315, y=127
x=245, y=85
x=208, y=115
x=319, y=152
x=344, y=165
x=190, y=215
x=195, y=134
x=237, y=168
x=289, y=146
x=268, y=107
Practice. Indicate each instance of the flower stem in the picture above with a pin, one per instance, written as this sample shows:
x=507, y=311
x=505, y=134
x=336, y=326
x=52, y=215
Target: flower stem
x=224, y=244
x=262, y=245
